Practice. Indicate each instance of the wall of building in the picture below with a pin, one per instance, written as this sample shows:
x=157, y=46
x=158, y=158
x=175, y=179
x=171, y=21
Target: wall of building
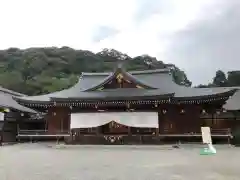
x=9, y=129
x=180, y=119
x=176, y=120
x=58, y=120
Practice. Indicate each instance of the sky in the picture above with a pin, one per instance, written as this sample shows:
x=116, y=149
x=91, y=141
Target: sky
x=199, y=36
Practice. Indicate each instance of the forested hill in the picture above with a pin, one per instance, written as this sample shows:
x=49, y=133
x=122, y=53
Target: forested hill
x=42, y=70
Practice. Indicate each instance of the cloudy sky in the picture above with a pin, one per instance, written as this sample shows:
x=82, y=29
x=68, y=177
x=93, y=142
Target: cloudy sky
x=199, y=36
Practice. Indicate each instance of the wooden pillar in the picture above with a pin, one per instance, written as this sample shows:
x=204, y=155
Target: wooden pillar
x=129, y=131
x=98, y=130
x=18, y=128
x=61, y=125
x=157, y=131
x=212, y=119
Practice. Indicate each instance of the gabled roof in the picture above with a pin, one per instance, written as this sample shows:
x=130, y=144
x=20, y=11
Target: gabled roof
x=157, y=82
x=127, y=75
x=7, y=101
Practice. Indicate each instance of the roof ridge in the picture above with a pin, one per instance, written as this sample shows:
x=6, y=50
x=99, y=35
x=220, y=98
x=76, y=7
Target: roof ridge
x=165, y=70
x=95, y=73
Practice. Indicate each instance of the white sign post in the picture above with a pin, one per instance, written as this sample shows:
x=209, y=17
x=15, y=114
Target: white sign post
x=206, y=135
x=207, y=139
x=1, y=116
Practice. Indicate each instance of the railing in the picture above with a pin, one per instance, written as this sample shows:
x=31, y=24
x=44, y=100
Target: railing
x=41, y=132
x=222, y=131
x=225, y=131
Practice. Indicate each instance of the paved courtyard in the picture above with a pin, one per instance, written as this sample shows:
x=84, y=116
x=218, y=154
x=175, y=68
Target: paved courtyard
x=50, y=162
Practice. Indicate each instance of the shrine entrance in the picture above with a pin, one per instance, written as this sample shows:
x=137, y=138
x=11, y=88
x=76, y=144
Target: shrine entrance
x=114, y=128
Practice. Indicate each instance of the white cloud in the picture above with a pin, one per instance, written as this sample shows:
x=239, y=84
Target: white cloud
x=29, y=23
x=151, y=36
x=73, y=23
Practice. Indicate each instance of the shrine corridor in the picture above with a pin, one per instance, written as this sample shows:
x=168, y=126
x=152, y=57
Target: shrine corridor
x=51, y=162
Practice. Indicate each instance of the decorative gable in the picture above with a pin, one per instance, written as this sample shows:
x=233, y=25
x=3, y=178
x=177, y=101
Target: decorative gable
x=120, y=79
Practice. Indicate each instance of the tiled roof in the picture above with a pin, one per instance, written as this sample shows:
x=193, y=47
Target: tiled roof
x=160, y=80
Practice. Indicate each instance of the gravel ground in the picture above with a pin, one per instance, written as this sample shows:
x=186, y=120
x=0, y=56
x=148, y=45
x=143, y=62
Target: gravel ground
x=51, y=162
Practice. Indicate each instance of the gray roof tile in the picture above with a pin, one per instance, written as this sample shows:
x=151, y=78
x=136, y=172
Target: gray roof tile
x=7, y=101
x=161, y=80
x=119, y=94
x=10, y=92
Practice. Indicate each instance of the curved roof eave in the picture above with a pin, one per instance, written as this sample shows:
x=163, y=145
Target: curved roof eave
x=189, y=92
x=154, y=79
x=14, y=93
x=86, y=81
x=115, y=94
x=7, y=101
x=20, y=108
x=233, y=103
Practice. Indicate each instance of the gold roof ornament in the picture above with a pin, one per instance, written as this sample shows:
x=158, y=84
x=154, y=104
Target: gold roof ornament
x=119, y=78
x=140, y=87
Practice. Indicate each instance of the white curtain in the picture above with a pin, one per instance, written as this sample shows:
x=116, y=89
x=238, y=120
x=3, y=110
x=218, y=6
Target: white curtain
x=138, y=119
x=88, y=120
x=132, y=119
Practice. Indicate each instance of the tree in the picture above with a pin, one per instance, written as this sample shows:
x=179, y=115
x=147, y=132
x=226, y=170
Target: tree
x=220, y=79
x=36, y=71
x=234, y=78
x=180, y=77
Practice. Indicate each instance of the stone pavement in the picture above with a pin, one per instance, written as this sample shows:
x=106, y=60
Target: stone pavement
x=51, y=162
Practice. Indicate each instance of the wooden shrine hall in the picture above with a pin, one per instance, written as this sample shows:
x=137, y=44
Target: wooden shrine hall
x=11, y=113
x=135, y=107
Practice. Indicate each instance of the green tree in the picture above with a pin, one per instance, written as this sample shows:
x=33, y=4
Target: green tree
x=180, y=77
x=234, y=78
x=220, y=79
x=36, y=71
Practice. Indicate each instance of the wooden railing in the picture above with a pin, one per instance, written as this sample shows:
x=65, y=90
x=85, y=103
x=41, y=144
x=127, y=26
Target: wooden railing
x=217, y=132
x=40, y=132
x=222, y=131
x=225, y=131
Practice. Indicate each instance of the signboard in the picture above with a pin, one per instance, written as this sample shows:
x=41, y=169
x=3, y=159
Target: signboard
x=1, y=116
x=206, y=135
